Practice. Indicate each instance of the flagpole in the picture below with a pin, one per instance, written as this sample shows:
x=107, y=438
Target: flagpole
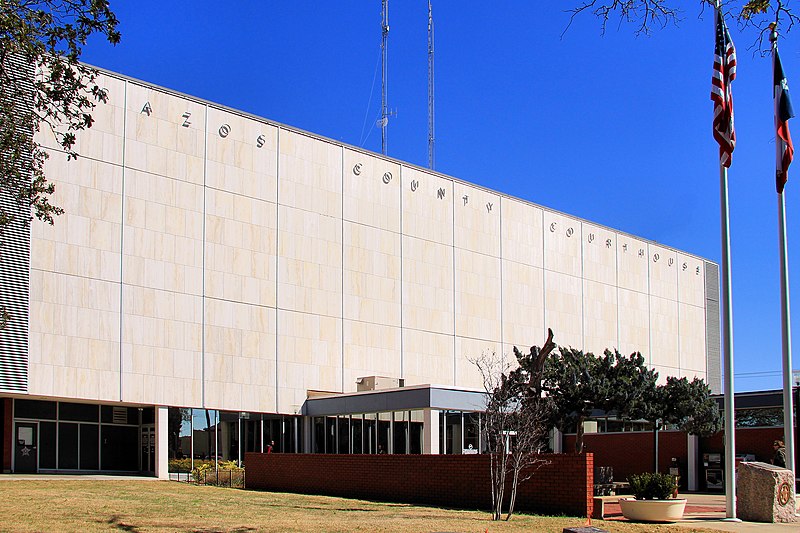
x=786, y=337
x=786, y=331
x=727, y=351
x=727, y=312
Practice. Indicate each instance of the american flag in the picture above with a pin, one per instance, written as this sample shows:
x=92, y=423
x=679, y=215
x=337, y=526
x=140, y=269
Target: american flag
x=724, y=74
x=783, y=112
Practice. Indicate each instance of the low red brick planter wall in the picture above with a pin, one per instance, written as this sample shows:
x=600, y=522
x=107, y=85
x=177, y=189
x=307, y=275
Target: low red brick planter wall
x=563, y=485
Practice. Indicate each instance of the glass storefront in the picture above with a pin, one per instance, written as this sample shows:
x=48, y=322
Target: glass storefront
x=397, y=432
x=66, y=436
x=200, y=436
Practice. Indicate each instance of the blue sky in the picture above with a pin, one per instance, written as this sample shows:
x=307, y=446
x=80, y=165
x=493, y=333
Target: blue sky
x=613, y=128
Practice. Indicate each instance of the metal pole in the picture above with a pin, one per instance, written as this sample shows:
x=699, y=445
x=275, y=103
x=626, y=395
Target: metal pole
x=727, y=351
x=786, y=337
x=431, y=132
x=786, y=331
x=384, y=73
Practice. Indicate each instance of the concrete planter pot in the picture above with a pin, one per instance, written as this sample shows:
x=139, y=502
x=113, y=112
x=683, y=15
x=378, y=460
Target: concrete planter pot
x=652, y=510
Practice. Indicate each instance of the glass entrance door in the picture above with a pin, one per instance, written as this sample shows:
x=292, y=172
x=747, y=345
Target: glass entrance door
x=148, y=448
x=26, y=455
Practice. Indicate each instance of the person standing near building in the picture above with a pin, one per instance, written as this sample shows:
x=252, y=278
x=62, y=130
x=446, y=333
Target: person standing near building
x=779, y=459
x=270, y=446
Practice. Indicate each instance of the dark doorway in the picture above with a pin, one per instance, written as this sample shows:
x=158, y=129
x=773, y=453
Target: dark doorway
x=26, y=455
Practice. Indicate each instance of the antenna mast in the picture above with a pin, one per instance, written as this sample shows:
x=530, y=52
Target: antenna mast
x=431, y=134
x=384, y=72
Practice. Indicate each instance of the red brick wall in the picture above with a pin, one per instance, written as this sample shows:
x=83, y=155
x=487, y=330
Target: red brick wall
x=563, y=485
x=757, y=441
x=632, y=453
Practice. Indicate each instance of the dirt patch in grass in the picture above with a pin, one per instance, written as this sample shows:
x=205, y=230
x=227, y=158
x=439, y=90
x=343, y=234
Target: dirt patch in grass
x=141, y=506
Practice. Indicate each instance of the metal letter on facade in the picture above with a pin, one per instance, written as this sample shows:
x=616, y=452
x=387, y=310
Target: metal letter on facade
x=489, y=206
x=414, y=185
x=146, y=109
x=553, y=226
x=224, y=130
x=641, y=252
x=186, y=119
x=625, y=247
x=466, y=199
x=590, y=238
x=570, y=231
x=357, y=169
x=656, y=257
x=387, y=177
x=440, y=193
x=260, y=141
x=608, y=243
x=671, y=261
x=684, y=266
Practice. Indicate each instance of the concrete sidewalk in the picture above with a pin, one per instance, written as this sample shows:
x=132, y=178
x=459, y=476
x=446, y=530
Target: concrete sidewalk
x=88, y=477
x=707, y=511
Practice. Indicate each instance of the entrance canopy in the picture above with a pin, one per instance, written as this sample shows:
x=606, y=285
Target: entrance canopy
x=400, y=399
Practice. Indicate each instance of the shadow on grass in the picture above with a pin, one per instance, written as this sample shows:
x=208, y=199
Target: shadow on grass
x=234, y=530
x=117, y=524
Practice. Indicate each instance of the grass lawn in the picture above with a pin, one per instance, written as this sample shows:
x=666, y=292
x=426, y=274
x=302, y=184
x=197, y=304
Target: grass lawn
x=129, y=505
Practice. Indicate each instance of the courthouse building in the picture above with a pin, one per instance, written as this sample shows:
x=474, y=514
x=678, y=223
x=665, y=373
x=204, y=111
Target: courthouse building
x=220, y=281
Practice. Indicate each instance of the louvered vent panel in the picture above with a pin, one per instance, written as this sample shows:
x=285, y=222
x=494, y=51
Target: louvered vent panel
x=713, y=340
x=14, y=278
x=120, y=415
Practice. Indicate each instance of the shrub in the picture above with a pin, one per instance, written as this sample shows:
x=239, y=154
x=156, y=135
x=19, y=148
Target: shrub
x=180, y=465
x=652, y=486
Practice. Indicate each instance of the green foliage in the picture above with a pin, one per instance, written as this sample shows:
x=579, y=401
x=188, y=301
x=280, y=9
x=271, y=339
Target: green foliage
x=652, y=486
x=42, y=82
x=578, y=383
x=688, y=405
x=228, y=475
x=180, y=465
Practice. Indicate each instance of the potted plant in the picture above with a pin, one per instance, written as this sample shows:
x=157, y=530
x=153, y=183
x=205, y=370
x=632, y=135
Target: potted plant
x=654, y=499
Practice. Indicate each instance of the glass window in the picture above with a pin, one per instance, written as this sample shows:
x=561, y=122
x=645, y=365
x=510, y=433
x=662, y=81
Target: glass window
x=67, y=446
x=179, y=435
x=318, y=434
x=384, y=432
x=35, y=409
x=370, y=433
x=344, y=434
x=400, y=432
x=89, y=434
x=47, y=445
x=205, y=442
x=452, y=429
x=78, y=412
x=119, y=446
x=416, y=432
x=356, y=433
x=472, y=432
x=330, y=434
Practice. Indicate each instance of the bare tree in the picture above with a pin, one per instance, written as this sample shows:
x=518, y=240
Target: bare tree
x=650, y=15
x=515, y=420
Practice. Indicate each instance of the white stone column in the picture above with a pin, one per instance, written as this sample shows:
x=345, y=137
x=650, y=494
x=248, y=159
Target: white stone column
x=162, y=443
x=558, y=441
x=430, y=431
x=692, y=456
x=307, y=429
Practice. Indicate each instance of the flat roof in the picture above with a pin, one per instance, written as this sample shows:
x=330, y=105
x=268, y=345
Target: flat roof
x=438, y=397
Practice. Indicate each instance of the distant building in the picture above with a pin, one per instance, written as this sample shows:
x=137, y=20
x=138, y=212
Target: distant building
x=219, y=275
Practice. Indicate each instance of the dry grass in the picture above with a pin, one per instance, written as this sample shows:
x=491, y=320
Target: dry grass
x=129, y=505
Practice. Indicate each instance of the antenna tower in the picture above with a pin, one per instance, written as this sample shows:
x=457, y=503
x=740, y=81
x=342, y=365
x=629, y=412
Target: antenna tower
x=384, y=120
x=431, y=134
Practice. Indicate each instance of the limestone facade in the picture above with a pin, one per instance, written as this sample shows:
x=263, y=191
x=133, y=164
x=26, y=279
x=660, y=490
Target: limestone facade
x=208, y=258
